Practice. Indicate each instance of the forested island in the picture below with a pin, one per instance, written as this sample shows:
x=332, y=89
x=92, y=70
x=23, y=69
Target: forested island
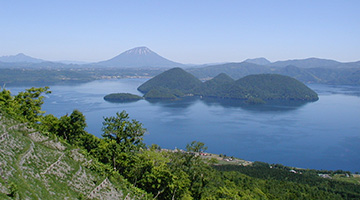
x=65, y=161
x=122, y=97
x=177, y=83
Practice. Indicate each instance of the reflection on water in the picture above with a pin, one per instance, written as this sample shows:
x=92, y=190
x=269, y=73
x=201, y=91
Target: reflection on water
x=350, y=90
x=177, y=103
x=122, y=101
x=321, y=135
x=270, y=106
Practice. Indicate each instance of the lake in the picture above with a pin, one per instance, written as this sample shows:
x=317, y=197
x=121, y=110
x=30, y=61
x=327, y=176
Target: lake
x=320, y=135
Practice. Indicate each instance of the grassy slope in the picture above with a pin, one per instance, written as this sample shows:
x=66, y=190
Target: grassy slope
x=44, y=168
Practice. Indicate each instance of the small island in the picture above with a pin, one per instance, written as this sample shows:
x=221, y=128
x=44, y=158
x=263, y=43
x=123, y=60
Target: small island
x=122, y=97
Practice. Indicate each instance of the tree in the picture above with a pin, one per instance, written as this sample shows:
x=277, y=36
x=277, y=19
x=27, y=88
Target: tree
x=7, y=102
x=150, y=170
x=30, y=103
x=70, y=127
x=155, y=147
x=50, y=123
x=128, y=134
x=25, y=104
x=125, y=136
x=89, y=142
x=64, y=127
x=77, y=126
x=111, y=151
x=197, y=171
x=196, y=146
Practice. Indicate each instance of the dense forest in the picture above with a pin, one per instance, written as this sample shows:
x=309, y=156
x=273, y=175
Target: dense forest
x=164, y=174
x=177, y=83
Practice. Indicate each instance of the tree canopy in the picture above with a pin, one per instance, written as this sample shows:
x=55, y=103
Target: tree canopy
x=26, y=104
x=123, y=135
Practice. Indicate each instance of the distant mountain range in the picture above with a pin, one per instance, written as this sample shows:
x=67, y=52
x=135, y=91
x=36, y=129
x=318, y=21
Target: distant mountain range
x=143, y=57
x=310, y=70
x=305, y=63
x=308, y=63
x=344, y=73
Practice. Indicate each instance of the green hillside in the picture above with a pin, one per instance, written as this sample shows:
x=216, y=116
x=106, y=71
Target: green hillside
x=222, y=78
x=38, y=166
x=163, y=93
x=173, y=79
x=274, y=86
x=215, y=87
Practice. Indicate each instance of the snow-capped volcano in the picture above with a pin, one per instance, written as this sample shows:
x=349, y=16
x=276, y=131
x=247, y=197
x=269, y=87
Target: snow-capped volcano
x=139, y=57
x=139, y=51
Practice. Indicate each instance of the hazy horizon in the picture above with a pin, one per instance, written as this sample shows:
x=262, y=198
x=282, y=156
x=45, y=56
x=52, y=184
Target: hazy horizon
x=186, y=32
x=207, y=63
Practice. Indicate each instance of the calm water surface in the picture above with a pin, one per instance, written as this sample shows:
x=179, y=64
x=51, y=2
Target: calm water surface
x=320, y=135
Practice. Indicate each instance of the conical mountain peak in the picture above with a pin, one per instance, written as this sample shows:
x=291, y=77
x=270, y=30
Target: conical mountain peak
x=21, y=54
x=139, y=51
x=139, y=57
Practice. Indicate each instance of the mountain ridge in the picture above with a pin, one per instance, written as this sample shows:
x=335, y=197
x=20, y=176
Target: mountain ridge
x=308, y=63
x=20, y=57
x=258, y=61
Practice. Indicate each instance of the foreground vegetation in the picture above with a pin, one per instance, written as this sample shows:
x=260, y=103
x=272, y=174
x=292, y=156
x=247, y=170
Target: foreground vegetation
x=122, y=157
x=36, y=164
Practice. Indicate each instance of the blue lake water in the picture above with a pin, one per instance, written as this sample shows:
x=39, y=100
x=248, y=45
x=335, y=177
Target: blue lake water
x=320, y=135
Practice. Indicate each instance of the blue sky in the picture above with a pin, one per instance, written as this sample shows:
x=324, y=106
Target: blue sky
x=180, y=30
